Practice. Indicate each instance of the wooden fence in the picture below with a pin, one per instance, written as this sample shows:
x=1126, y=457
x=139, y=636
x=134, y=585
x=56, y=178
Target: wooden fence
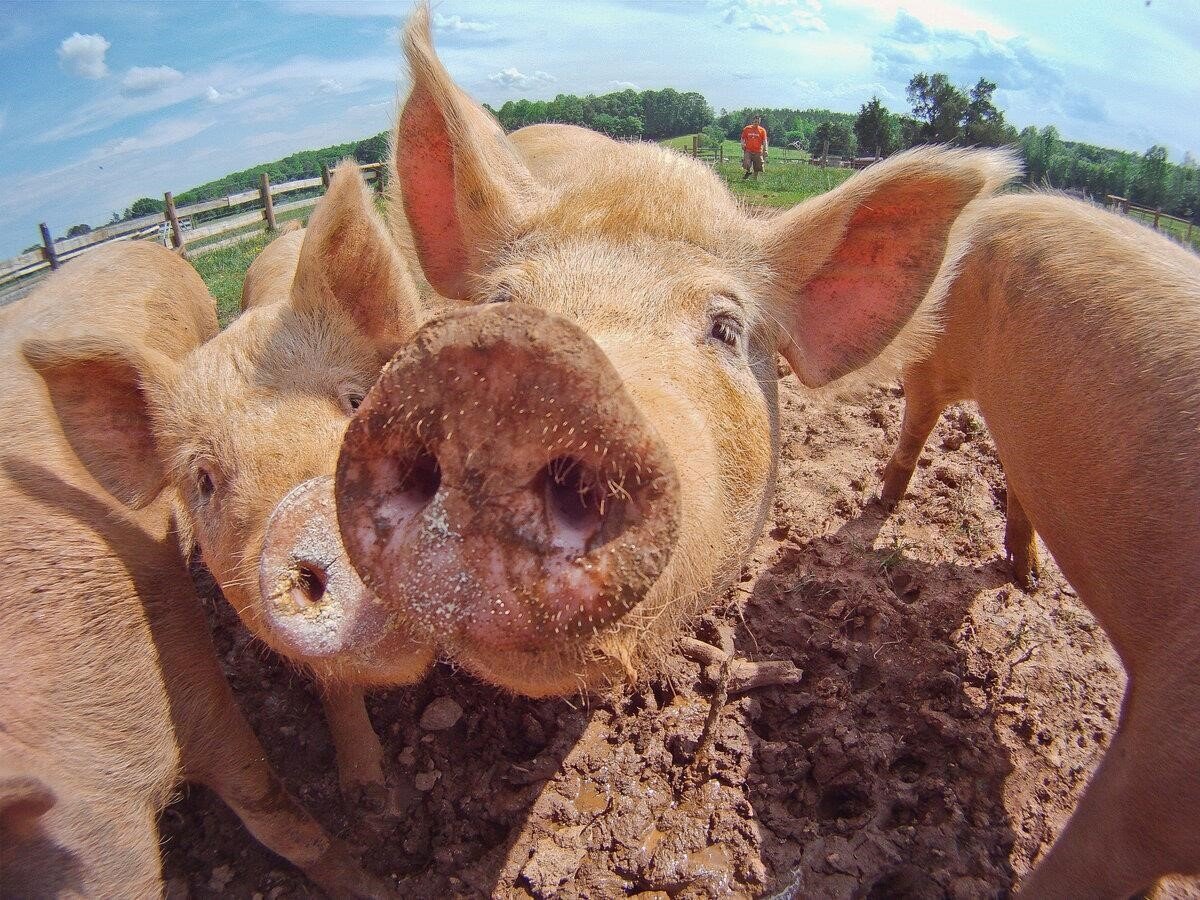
x=174, y=226
x=1156, y=216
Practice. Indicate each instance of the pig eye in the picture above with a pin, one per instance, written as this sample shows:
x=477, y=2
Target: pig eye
x=351, y=400
x=726, y=329
x=204, y=485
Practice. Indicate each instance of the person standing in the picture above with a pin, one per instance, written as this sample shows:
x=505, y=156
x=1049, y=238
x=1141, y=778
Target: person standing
x=754, y=148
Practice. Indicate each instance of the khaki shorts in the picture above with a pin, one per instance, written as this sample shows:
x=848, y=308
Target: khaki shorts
x=752, y=161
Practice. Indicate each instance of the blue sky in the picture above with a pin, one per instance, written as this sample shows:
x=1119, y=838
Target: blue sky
x=101, y=103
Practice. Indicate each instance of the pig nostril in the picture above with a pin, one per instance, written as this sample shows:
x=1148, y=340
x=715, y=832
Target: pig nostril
x=424, y=476
x=308, y=584
x=574, y=498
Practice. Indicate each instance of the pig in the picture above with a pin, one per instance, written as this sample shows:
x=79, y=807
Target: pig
x=1078, y=334
x=112, y=689
x=549, y=480
x=269, y=278
x=245, y=430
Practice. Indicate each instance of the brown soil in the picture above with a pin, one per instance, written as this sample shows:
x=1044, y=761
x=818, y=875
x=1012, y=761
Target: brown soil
x=944, y=727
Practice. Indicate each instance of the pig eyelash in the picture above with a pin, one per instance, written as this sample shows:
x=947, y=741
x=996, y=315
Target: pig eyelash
x=726, y=329
x=502, y=295
x=204, y=485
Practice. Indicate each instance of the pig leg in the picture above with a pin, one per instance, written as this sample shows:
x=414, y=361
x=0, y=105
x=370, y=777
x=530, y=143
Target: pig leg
x=219, y=750
x=1138, y=818
x=921, y=410
x=359, y=752
x=1020, y=544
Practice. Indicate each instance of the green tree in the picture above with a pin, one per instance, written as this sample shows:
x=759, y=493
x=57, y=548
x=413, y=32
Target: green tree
x=939, y=106
x=873, y=128
x=713, y=135
x=1150, y=183
x=143, y=206
x=832, y=139
x=372, y=149
x=983, y=123
x=78, y=230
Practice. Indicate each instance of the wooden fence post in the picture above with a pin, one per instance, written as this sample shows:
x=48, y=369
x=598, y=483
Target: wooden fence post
x=48, y=250
x=173, y=218
x=1157, y=213
x=1189, y=233
x=264, y=191
x=325, y=176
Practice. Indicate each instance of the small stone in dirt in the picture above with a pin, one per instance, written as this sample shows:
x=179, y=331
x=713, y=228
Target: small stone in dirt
x=407, y=757
x=424, y=781
x=953, y=440
x=441, y=714
x=220, y=878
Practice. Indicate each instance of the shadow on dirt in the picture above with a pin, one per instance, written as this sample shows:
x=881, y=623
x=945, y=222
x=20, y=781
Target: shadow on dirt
x=881, y=775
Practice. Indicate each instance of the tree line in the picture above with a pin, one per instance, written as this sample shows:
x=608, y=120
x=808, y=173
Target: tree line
x=945, y=114
x=941, y=112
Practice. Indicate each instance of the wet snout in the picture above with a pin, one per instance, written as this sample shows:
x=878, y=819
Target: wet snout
x=500, y=485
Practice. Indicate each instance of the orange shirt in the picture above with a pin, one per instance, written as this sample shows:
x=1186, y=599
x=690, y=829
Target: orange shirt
x=753, y=138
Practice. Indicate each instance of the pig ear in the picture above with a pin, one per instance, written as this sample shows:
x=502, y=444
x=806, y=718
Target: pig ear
x=349, y=264
x=853, y=265
x=23, y=800
x=464, y=189
x=100, y=391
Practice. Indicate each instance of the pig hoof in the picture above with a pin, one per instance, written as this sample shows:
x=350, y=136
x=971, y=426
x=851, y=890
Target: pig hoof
x=1025, y=573
x=339, y=875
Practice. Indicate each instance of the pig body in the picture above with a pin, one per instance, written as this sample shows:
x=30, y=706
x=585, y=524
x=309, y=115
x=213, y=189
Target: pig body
x=1078, y=334
x=245, y=430
x=112, y=691
x=552, y=513
x=269, y=277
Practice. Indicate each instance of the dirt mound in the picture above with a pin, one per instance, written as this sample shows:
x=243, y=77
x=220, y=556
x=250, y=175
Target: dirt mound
x=944, y=727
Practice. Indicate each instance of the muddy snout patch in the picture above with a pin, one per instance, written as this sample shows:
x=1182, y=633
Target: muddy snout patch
x=500, y=484
x=314, y=603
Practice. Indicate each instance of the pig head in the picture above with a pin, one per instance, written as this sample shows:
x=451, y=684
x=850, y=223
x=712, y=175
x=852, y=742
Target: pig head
x=551, y=479
x=246, y=431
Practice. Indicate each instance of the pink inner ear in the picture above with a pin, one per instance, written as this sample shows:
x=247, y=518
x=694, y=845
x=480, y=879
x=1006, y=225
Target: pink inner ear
x=425, y=166
x=863, y=295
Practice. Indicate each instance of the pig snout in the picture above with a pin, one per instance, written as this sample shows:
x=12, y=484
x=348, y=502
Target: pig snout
x=502, y=487
x=315, y=606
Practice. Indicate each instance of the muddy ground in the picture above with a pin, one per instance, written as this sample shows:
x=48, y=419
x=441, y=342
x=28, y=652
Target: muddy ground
x=944, y=726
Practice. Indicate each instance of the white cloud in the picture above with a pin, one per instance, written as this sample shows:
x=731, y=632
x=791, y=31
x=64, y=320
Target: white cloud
x=83, y=55
x=295, y=76
x=146, y=79
x=458, y=23
x=160, y=134
x=774, y=16
x=212, y=95
x=330, y=86
x=623, y=86
x=513, y=77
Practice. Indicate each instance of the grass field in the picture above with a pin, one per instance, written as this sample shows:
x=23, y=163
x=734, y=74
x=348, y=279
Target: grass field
x=733, y=150
x=224, y=270
x=1171, y=228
